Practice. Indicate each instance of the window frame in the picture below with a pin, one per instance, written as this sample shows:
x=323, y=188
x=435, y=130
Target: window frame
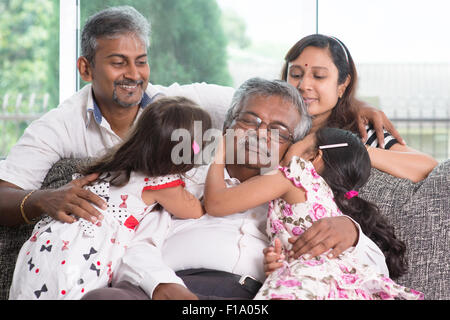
x=69, y=31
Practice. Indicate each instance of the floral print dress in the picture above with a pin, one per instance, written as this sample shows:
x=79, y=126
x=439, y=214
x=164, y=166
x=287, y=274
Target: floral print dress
x=64, y=261
x=343, y=277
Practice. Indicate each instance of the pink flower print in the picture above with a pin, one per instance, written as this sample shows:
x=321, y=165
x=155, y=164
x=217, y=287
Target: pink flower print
x=342, y=293
x=363, y=294
x=314, y=262
x=287, y=211
x=318, y=211
x=296, y=231
x=314, y=173
x=418, y=293
x=349, y=278
x=336, y=213
x=289, y=283
x=384, y=296
x=344, y=269
x=277, y=226
x=388, y=280
x=316, y=186
x=286, y=296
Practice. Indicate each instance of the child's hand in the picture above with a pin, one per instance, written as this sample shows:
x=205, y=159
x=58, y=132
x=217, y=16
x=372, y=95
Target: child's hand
x=273, y=258
x=303, y=148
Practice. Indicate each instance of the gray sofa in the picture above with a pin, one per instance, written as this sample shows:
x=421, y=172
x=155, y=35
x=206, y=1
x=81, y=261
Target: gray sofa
x=418, y=211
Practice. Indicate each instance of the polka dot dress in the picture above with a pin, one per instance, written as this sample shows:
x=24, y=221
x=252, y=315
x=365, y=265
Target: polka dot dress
x=64, y=261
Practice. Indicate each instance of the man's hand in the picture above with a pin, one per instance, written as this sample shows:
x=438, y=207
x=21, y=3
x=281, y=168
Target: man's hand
x=70, y=199
x=336, y=233
x=379, y=121
x=172, y=291
x=273, y=258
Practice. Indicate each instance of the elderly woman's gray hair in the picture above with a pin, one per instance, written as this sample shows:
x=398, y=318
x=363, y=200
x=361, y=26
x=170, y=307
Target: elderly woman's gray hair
x=111, y=23
x=261, y=87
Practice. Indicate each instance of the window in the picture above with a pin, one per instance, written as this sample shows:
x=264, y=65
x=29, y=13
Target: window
x=261, y=32
x=400, y=48
x=29, y=65
x=403, y=62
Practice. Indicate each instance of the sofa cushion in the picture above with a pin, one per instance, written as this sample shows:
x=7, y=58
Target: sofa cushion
x=419, y=213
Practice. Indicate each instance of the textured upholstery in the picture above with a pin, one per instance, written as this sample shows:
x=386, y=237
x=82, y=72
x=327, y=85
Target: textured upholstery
x=419, y=213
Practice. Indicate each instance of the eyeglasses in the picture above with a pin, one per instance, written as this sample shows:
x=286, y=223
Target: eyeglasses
x=249, y=121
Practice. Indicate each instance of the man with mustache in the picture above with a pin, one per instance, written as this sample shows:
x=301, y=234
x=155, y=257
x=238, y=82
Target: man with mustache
x=115, y=61
x=222, y=258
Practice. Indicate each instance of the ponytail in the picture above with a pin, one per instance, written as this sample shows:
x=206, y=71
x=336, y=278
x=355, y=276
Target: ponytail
x=375, y=226
x=348, y=169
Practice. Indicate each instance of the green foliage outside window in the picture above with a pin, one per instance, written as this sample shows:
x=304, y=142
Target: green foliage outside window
x=188, y=45
x=187, y=41
x=29, y=50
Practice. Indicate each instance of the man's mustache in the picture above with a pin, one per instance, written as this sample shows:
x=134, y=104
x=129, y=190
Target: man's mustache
x=253, y=142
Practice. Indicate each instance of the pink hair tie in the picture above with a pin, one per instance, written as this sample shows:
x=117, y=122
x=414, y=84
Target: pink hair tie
x=350, y=194
x=195, y=147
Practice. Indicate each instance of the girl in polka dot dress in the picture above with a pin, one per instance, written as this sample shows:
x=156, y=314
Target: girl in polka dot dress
x=323, y=183
x=64, y=261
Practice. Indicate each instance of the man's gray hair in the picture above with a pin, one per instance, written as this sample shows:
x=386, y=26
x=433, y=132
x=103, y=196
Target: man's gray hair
x=111, y=23
x=261, y=87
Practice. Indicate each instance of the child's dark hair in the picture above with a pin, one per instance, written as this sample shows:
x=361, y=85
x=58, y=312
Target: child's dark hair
x=148, y=148
x=348, y=168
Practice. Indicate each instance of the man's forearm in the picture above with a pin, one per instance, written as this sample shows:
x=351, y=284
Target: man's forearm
x=11, y=199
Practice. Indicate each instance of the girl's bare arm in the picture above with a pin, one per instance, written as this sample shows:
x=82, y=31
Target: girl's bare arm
x=177, y=200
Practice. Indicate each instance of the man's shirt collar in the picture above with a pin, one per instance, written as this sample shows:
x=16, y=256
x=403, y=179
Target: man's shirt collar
x=97, y=114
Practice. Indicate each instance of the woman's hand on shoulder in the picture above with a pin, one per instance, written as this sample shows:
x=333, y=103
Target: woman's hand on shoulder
x=379, y=121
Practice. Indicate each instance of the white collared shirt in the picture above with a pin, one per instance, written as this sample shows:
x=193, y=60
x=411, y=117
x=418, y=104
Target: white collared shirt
x=76, y=129
x=233, y=243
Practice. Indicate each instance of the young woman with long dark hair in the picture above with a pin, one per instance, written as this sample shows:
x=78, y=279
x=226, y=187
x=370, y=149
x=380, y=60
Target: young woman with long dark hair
x=322, y=69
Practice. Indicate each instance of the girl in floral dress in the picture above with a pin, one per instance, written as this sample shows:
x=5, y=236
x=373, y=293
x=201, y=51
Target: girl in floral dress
x=323, y=182
x=64, y=261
